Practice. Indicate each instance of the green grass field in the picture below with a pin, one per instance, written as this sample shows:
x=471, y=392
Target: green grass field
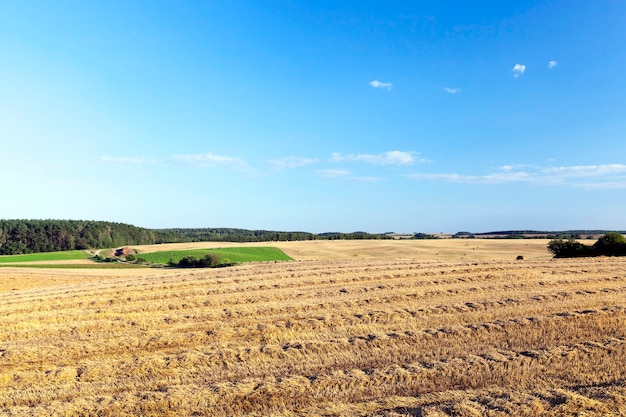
x=227, y=255
x=46, y=256
x=95, y=265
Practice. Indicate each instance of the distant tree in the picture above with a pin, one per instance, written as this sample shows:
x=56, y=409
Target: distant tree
x=188, y=262
x=424, y=236
x=569, y=248
x=611, y=244
x=210, y=260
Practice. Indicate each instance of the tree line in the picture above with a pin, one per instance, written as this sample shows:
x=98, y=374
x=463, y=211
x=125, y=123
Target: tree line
x=611, y=244
x=244, y=235
x=31, y=236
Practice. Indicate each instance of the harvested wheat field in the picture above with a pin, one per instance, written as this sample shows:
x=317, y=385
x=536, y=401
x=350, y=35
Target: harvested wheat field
x=359, y=335
x=436, y=249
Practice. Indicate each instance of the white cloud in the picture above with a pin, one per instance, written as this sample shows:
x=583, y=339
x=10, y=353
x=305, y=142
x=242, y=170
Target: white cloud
x=451, y=90
x=552, y=64
x=385, y=158
x=210, y=160
x=496, y=178
x=511, y=167
x=379, y=84
x=345, y=175
x=126, y=160
x=607, y=176
x=606, y=185
x=586, y=170
x=367, y=179
x=290, y=162
x=332, y=173
x=518, y=69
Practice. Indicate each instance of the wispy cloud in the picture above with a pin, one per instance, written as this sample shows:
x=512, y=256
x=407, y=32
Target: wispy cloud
x=210, y=160
x=379, y=84
x=367, y=179
x=552, y=64
x=518, y=70
x=385, y=158
x=511, y=167
x=290, y=162
x=345, y=175
x=495, y=178
x=332, y=173
x=451, y=90
x=126, y=160
x=607, y=176
x=587, y=170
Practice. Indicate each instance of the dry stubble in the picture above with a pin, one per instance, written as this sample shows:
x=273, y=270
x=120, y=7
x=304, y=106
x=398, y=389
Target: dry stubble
x=352, y=336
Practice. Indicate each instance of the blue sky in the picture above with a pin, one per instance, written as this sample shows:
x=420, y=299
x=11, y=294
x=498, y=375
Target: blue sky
x=405, y=116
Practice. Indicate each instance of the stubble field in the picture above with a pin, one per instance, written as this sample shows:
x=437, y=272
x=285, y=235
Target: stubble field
x=441, y=328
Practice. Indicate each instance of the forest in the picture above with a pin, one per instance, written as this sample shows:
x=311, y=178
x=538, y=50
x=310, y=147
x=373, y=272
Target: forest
x=31, y=236
x=244, y=235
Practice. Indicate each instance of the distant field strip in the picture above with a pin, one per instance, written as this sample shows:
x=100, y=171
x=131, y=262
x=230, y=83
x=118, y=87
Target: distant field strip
x=46, y=256
x=227, y=255
x=94, y=265
x=345, y=337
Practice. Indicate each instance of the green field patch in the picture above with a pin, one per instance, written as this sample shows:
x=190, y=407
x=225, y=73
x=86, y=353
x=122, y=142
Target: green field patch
x=227, y=255
x=46, y=256
x=95, y=265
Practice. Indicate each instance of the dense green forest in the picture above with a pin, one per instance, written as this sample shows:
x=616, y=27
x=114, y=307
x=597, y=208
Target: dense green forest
x=29, y=236
x=244, y=235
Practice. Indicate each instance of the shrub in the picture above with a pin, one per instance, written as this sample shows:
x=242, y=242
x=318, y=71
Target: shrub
x=210, y=260
x=611, y=244
x=188, y=262
x=569, y=248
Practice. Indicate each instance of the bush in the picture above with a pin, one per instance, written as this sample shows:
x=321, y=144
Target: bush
x=188, y=262
x=210, y=260
x=569, y=248
x=611, y=244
